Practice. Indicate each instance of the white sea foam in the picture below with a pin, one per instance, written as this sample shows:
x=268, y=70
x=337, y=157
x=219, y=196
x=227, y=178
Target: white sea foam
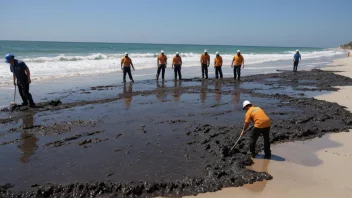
x=47, y=68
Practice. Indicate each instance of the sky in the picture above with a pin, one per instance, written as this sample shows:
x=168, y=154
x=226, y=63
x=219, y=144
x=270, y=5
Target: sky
x=301, y=23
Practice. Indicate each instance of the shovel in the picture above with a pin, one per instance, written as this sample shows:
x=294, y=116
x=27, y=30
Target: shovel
x=13, y=103
x=250, y=128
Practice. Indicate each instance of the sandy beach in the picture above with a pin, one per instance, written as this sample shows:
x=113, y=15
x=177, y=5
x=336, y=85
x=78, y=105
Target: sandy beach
x=313, y=168
x=172, y=138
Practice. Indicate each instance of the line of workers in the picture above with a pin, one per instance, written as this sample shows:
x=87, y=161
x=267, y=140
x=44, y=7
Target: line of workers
x=237, y=62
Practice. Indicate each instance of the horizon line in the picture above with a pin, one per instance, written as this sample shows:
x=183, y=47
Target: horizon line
x=166, y=44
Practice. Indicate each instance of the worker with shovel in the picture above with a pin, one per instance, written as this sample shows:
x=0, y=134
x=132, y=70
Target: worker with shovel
x=261, y=127
x=22, y=74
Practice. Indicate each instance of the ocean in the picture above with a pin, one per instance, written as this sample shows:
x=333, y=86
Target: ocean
x=54, y=60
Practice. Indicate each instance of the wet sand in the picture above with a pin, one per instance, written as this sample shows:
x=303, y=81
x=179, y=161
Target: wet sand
x=313, y=168
x=153, y=138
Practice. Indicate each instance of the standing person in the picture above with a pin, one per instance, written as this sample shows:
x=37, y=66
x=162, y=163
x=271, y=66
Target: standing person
x=161, y=64
x=22, y=74
x=205, y=62
x=127, y=63
x=218, y=65
x=261, y=127
x=296, y=59
x=237, y=61
x=176, y=65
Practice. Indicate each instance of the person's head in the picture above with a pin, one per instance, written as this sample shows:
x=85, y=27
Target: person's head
x=297, y=51
x=217, y=53
x=162, y=52
x=9, y=58
x=205, y=51
x=238, y=52
x=246, y=105
x=126, y=54
x=177, y=54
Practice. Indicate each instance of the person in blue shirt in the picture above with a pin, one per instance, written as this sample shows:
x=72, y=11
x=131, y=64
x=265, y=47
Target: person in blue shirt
x=296, y=59
x=22, y=74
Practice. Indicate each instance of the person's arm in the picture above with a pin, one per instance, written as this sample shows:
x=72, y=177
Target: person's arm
x=157, y=62
x=245, y=127
x=13, y=74
x=247, y=120
x=300, y=58
x=181, y=62
x=201, y=60
x=26, y=70
x=220, y=61
x=173, y=62
x=233, y=60
x=242, y=62
x=132, y=65
x=165, y=61
x=121, y=64
x=14, y=79
x=208, y=63
x=28, y=75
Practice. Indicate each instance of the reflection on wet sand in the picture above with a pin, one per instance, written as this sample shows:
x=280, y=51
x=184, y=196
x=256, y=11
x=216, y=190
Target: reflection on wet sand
x=218, y=85
x=260, y=165
x=236, y=97
x=177, y=91
x=127, y=94
x=161, y=94
x=28, y=142
x=204, y=90
x=294, y=83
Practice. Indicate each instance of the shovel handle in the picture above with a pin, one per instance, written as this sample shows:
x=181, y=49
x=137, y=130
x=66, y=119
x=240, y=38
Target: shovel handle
x=235, y=143
x=250, y=128
x=14, y=94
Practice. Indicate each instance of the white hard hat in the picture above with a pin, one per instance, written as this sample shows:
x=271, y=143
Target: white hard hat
x=162, y=51
x=238, y=51
x=297, y=50
x=126, y=53
x=205, y=51
x=177, y=53
x=245, y=103
x=217, y=53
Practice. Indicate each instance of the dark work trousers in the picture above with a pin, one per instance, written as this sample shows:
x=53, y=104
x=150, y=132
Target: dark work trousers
x=205, y=71
x=177, y=70
x=127, y=70
x=217, y=71
x=161, y=68
x=23, y=89
x=256, y=132
x=295, y=65
x=237, y=72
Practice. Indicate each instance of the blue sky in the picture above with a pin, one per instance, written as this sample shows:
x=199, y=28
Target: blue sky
x=315, y=23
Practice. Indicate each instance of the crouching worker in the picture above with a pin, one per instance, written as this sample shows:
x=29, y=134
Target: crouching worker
x=261, y=127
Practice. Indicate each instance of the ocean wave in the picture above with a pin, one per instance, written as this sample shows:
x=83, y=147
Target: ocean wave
x=47, y=68
x=99, y=56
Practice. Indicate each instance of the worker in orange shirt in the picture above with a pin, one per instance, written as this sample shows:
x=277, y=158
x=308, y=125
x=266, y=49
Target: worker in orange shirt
x=176, y=65
x=126, y=62
x=205, y=62
x=237, y=62
x=218, y=65
x=161, y=64
x=261, y=127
